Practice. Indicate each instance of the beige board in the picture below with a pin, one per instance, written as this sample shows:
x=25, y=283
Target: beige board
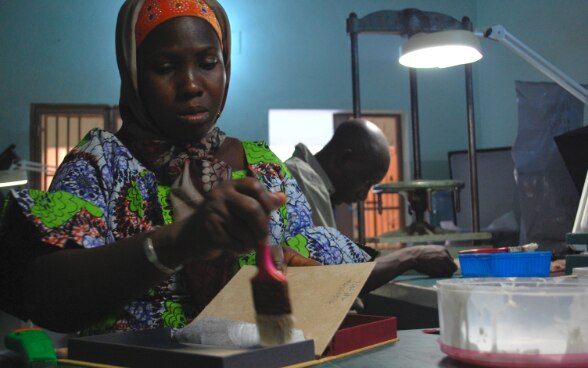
x=321, y=296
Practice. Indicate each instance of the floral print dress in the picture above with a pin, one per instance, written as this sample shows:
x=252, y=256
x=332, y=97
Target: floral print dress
x=102, y=194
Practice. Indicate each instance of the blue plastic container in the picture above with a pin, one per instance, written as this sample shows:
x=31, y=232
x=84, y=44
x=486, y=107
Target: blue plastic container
x=519, y=264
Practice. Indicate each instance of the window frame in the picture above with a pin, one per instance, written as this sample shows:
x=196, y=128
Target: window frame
x=110, y=115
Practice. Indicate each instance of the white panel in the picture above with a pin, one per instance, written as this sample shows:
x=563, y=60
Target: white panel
x=287, y=128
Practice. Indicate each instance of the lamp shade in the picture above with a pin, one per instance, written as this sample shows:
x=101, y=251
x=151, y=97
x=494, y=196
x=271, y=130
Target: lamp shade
x=440, y=49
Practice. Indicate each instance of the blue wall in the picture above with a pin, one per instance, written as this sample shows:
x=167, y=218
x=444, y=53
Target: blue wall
x=53, y=52
x=557, y=30
x=294, y=54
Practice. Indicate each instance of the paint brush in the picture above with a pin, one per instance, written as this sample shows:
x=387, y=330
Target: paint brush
x=271, y=300
x=520, y=248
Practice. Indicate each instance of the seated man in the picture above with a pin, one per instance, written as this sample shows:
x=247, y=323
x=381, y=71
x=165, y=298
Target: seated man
x=356, y=158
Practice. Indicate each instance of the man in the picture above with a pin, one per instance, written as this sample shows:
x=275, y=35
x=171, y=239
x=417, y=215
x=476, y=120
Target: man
x=356, y=158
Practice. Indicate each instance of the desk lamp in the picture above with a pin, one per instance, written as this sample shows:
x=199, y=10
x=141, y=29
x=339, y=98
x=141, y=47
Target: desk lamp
x=9, y=178
x=431, y=46
x=13, y=169
x=429, y=50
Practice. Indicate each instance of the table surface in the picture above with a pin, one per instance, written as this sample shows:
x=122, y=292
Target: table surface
x=414, y=289
x=415, y=349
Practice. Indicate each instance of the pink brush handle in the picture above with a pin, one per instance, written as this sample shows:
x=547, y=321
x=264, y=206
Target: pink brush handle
x=265, y=264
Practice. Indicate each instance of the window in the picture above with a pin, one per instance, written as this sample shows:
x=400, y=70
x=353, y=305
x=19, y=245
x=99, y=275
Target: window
x=56, y=129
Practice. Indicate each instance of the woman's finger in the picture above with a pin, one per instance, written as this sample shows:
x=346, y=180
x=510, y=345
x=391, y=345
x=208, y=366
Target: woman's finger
x=253, y=188
x=295, y=259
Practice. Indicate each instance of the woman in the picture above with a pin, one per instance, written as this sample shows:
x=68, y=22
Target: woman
x=102, y=250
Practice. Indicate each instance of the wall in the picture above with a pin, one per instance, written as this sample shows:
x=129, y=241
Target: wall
x=293, y=54
x=53, y=52
x=554, y=29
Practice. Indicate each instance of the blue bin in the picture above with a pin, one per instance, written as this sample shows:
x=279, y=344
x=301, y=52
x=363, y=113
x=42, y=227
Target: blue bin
x=519, y=264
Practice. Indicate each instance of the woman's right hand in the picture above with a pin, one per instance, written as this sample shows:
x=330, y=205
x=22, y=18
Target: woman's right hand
x=234, y=217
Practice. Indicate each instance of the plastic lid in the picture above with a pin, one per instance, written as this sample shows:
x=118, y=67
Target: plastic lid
x=580, y=271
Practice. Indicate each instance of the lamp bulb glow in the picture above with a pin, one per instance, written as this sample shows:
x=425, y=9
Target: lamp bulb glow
x=440, y=49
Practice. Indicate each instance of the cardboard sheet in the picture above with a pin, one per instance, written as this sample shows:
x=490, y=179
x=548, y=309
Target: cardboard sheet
x=321, y=297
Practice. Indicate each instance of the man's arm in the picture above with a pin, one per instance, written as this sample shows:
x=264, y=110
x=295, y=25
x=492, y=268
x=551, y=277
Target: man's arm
x=431, y=260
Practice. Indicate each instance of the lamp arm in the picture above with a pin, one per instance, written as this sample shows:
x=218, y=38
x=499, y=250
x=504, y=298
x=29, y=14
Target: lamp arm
x=33, y=167
x=500, y=34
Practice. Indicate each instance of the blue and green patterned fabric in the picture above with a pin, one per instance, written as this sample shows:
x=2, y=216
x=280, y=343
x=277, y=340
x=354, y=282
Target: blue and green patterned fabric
x=102, y=193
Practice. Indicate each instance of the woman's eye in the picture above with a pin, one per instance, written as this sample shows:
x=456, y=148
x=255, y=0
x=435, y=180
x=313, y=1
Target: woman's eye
x=163, y=68
x=209, y=63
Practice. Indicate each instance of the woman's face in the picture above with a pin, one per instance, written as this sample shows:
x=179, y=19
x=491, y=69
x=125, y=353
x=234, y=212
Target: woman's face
x=181, y=77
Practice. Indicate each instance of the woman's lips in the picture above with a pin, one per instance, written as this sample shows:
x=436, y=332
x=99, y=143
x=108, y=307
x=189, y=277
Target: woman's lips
x=195, y=117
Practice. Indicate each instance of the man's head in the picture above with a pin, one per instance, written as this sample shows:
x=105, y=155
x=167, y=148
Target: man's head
x=356, y=158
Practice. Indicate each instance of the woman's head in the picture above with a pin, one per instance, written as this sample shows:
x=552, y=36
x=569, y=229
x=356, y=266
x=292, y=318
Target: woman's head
x=174, y=61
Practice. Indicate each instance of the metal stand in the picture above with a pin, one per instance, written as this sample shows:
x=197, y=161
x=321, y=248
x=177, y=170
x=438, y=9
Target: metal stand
x=406, y=23
x=420, y=197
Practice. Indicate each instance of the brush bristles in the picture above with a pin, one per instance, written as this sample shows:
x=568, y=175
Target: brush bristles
x=274, y=329
x=273, y=312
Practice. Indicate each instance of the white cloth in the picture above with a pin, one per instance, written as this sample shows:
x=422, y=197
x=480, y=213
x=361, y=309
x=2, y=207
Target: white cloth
x=223, y=332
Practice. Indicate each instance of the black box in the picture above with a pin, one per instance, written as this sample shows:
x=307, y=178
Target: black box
x=155, y=348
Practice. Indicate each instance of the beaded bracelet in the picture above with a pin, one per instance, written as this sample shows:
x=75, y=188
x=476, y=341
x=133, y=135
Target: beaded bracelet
x=154, y=260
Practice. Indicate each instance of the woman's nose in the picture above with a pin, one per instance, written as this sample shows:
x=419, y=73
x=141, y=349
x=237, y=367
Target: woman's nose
x=190, y=84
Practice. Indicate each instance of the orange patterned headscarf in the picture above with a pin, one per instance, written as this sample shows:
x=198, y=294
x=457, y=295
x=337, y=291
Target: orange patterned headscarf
x=155, y=12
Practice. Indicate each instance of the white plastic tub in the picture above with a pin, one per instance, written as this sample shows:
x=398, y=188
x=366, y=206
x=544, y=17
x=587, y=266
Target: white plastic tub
x=504, y=322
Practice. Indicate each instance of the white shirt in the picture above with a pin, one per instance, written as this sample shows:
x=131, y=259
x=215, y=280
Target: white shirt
x=315, y=184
